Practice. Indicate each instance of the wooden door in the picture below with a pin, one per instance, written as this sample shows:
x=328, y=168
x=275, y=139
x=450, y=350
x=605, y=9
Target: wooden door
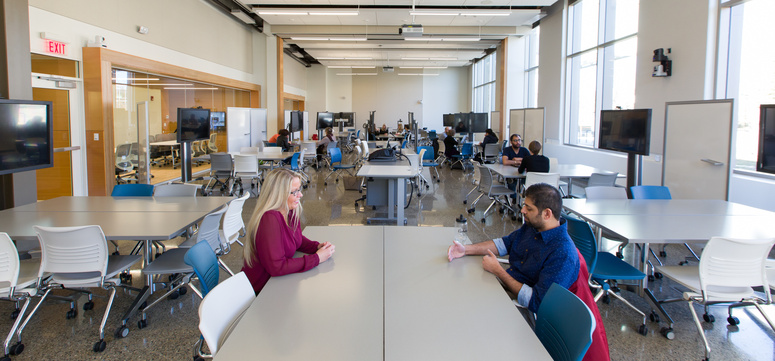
x=58, y=180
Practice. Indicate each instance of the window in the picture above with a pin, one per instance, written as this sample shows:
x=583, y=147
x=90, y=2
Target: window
x=483, y=94
x=531, y=68
x=746, y=70
x=600, y=71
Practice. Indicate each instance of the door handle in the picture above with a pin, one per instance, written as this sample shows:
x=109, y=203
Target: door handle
x=67, y=149
x=712, y=162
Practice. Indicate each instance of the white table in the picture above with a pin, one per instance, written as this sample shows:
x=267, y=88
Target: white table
x=388, y=293
x=396, y=176
x=566, y=171
x=168, y=143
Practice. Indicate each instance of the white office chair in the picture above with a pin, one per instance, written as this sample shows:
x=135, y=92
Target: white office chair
x=233, y=226
x=606, y=192
x=248, y=150
x=599, y=180
x=19, y=285
x=246, y=167
x=209, y=231
x=77, y=257
x=216, y=321
x=273, y=150
x=176, y=190
x=728, y=270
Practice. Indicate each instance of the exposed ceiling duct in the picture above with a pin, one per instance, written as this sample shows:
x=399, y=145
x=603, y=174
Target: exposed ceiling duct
x=240, y=12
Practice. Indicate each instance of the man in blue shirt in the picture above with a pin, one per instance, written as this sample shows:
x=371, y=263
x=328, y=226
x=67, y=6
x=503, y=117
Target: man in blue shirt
x=512, y=155
x=540, y=252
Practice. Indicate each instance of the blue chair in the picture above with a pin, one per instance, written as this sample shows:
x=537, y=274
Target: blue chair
x=296, y=166
x=336, y=164
x=466, y=153
x=604, y=268
x=132, y=190
x=659, y=192
x=429, y=161
x=564, y=324
x=403, y=144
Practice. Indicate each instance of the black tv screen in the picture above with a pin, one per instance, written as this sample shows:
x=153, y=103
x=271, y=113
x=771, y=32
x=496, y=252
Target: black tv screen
x=627, y=131
x=349, y=118
x=193, y=124
x=217, y=119
x=325, y=120
x=766, y=159
x=296, y=121
x=26, y=135
x=448, y=120
x=479, y=122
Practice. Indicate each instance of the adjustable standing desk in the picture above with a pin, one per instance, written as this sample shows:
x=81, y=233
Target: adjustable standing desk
x=388, y=293
x=396, y=176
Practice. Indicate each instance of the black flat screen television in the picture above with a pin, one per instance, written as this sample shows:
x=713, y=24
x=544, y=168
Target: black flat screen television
x=217, y=119
x=325, y=120
x=766, y=160
x=349, y=118
x=26, y=135
x=193, y=124
x=627, y=131
x=296, y=121
x=449, y=120
x=479, y=122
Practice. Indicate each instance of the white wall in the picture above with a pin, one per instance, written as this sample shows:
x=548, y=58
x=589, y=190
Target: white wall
x=447, y=93
x=339, y=95
x=294, y=76
x=391, y=95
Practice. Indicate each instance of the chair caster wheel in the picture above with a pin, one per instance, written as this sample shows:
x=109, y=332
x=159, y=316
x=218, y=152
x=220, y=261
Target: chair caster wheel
x=733, y=321
x=142, y=324
x=174, y=295
x=16, y=348
x=121, y=332
x=484, y=220
x=182, y=291
x=651, y=278
x=325, y=183
x=336, y=180
x=465, y=202
x=643, y=330
x=513, y=218
x=114, y=253
x=658, y=275
x=662, y=254
x=607, y=299
x=471, y=210
x=15, y=314
x=100, y=346
x=144, y=305
x=356, y=204
x=708, y=318
x=619, y=255
x=88, y=305
x=667, y=332
x=71, y=314
x=654, y=317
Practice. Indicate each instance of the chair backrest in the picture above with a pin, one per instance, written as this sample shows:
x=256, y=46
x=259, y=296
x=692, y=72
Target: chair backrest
x=477, y=176
x=216, y=320
x=332, y=144
x=248, y=150
x=650, y=192
x=365, y=146
x=602, y=179
x=491, y=150
x=295, y=161
x=594, y=193
x=584, y=238
x=132, y=190
x=9, y=262
x=245, y=164
x=552, y=179
x=335, y=154
x=564, y=324
x=123, y=150
x=209, y=229
x=467, y=149
x=221, y=162
x=734, y=263
x=417, y=166
x=485, y=178
x=309, y=147
x=212, y=145
x=233, y=223
x=195, y=148
x=176, y=190
x=553, y=163
x=273, y=149
x=428, y=154
x=403, y=144
x=79, y=249
x=203, y=260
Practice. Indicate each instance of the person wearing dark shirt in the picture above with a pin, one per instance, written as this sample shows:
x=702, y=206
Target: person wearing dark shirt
x=540, y=252
x=450, y=145
x=513, y=154
x=489, y=137
x=282, y=140
x=534, y=162
x=461, y=128
x=275, y=233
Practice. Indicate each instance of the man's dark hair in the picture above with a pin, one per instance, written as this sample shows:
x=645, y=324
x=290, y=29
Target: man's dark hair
x=545, y=196
x=513, y=136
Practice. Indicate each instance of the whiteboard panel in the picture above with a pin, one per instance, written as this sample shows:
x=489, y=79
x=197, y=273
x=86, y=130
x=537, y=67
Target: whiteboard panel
x=516, y=122
x=534, y=126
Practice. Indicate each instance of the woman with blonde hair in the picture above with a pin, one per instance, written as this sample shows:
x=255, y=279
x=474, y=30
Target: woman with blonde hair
x=275, y=232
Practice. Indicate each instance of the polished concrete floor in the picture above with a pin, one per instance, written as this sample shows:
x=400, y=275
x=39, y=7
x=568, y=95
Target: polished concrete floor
x=172, y=325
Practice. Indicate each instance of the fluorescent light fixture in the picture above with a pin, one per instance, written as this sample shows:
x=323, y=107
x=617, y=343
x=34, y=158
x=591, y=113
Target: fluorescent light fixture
x=351, y=66
x=363, y=67
x=461, y=39
x=441, y=39
x=304, y=12
x=348, y=39
x=135, y=79
x=346, y=58
x=418, y=74
x=422, y=38
x=435, y=13
x=183, y=88
x=353, y=74
x=422, y=67
x=337, y=13
x=281, y=12
x=161, y=84
x=460, y=13
x=339, y=66
x=440, y=59
x=486, y=13
x=414, y=58
x=321, y=38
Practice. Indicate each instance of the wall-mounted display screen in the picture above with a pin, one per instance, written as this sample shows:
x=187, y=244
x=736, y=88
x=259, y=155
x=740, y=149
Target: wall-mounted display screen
x=193, y=124
x=479, y=122
x=325, y=120
x=627, y=131
x=766, y=161
x=26, y=135
x=217, y=119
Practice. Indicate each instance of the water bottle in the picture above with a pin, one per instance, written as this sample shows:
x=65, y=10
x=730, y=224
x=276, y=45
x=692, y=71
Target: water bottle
x=461, y=223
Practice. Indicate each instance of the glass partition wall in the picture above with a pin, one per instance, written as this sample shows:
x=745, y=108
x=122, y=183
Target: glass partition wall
x=159, y=98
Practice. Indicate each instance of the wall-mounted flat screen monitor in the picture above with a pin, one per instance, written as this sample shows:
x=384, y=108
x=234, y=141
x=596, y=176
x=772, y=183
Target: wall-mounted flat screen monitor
x=347, y=117
x=461, y=118
x=26, y=135
x=766, y=160
x=479, y=122
x=193, y=124
x=627, y=131
x=325, y=120
x=296, y=121
x=217, y=119
x=449, y=120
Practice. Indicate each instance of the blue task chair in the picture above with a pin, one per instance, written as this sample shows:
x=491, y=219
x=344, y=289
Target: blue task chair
x=564, y=324
x=660, y=192
x=466, y=152
x=132, y=190
x=336, y=165
x=429, y=161
x=604, y=268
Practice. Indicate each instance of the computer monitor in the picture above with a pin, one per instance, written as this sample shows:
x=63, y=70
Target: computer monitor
x=193, y=124
x=627, y=131
x=766, y=159
x=325, y=120
x=27, y=141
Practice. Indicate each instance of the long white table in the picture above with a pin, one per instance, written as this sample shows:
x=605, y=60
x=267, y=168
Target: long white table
x=388, y=293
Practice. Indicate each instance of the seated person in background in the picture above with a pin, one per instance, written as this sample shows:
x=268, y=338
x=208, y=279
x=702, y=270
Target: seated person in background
x=322, y=145
x=400, y=128
x=513, y=154
x=489, y=137
x=275, y=233
x=534, y=162
x=383, y=130
x=282, y=140
x=273, y=139
x=461, y=128
x=450, y=144
x=540, y=252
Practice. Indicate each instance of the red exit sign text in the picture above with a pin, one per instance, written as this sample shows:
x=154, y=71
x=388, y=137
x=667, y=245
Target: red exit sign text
x=55, y=47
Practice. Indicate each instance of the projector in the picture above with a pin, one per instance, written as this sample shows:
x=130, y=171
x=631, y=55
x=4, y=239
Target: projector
x=387, y=69
x=410, y=30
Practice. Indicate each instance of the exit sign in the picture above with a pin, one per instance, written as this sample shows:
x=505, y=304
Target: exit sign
x=55, y=47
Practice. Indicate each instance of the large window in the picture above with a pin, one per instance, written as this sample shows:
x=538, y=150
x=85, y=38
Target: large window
x=483, y=94
x=602, y=44
x=531, y=68
x=746, y=70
